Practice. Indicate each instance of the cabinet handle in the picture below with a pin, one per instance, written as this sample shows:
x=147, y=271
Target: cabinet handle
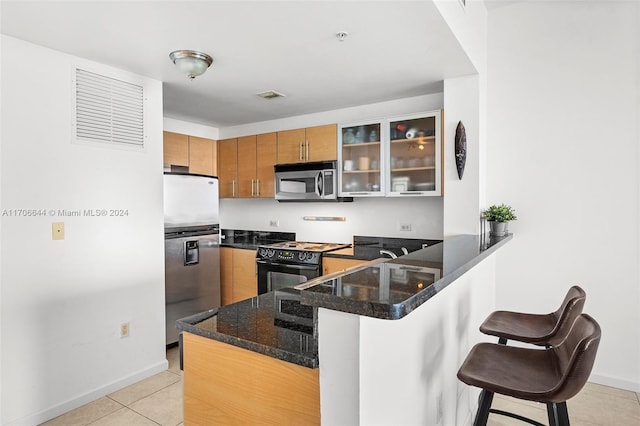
x=306, y=144
x=233, y=188
x=300, y=153
x=257, y=187
x=252, y=187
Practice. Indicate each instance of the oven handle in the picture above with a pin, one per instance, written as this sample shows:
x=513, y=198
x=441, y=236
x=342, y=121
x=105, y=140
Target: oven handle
x=287, y=265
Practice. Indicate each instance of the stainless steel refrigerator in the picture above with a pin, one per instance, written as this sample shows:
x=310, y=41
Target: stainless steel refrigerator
x=191, y=246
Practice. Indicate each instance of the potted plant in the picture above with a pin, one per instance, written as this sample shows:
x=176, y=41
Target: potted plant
x=498, y=218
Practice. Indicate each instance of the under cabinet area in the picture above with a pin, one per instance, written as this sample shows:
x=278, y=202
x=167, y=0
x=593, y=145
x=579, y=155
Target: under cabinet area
x=317, y=143
x=238, y=277
x=195, y=153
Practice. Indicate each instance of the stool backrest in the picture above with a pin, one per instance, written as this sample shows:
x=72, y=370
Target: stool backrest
x=576, y=354
x=567, y=313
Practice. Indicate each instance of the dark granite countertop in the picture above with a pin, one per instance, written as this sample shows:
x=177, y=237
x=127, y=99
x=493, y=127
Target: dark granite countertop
x=273, y=324
x=368, y=248
x=250, y=240
x=389, y=290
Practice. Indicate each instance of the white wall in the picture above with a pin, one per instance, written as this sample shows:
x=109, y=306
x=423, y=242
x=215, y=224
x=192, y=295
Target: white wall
x=189, y=128
x=403, y=372
x=563, y=151
x=462, y=197
x=63, y=301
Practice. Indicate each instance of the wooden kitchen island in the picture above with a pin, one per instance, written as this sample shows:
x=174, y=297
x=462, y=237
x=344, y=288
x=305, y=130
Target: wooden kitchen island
x=379, y=345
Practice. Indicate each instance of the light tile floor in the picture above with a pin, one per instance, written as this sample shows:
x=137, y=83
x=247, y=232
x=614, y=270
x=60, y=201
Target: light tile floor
x=158, y=401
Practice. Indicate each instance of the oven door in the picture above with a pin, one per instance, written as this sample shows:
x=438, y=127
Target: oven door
x=274, y=276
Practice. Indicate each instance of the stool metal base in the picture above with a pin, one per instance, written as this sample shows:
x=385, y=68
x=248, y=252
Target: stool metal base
x=556, y=412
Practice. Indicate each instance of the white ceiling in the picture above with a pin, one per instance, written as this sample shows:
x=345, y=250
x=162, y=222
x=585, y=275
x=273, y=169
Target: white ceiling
x=395, y=49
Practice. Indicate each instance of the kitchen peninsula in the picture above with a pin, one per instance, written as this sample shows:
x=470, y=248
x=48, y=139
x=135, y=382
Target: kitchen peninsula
x=378, y=344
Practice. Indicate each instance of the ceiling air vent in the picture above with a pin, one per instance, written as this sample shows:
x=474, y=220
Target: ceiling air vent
x=108, y=110
x=271, y=94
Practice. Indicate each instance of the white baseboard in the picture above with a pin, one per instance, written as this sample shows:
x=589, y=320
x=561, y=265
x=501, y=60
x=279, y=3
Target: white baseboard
x=90, y=396
x=615, y=382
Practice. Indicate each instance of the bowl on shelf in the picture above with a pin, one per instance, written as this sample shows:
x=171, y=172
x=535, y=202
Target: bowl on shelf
x=423, y=186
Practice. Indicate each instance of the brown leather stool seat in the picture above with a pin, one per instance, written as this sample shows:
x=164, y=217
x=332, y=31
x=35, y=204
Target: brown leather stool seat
x=538, y=329
x=550, y=376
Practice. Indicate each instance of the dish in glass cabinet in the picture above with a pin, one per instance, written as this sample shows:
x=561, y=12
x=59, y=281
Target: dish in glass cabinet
x=348, y=136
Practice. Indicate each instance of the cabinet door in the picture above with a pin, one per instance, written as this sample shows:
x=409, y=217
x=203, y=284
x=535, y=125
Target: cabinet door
x=247, y=166
x=245, y=279
x=228, y=167
x=361, y=159
x=201, y=156
x=266, y=147
x=175, y=149
x=415, y=155
x=335, y=264
x=226, y=275
x=321, y=143
x=291, y=146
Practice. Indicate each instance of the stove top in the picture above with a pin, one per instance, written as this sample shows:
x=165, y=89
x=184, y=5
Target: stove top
x=305, y=246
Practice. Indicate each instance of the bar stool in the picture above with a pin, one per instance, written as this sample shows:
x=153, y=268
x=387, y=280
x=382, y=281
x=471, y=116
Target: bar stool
x=538, y=329
x=550, y=376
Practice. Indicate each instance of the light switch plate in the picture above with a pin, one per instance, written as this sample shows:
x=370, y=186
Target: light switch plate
x=57, y=230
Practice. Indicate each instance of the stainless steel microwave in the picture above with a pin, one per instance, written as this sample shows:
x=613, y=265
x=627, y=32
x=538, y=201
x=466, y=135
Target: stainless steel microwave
x=313, y=181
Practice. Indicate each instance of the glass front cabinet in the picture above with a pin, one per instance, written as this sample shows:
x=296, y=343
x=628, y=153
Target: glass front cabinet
x=361, y=156
x=415, y=152
x=396, y=157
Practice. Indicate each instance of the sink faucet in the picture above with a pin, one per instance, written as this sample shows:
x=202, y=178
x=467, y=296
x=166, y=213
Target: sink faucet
x=390, y=253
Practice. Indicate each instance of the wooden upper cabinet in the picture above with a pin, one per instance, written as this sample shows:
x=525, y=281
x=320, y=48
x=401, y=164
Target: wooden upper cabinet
x=175, y=149
x=322, y=142
x=201, y=156
x=228, y=167
x=291, y=146
x=267, y=152
x=311, y=144
x=247, y=166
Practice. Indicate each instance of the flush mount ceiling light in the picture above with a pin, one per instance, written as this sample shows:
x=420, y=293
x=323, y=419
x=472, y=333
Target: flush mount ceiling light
x=270, y=94
x=190, y=62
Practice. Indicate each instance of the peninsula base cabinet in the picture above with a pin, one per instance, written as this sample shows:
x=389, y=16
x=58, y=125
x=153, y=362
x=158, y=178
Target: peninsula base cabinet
x=226, y=384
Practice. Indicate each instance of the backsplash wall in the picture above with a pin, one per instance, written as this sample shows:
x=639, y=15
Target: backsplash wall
x=363, y=216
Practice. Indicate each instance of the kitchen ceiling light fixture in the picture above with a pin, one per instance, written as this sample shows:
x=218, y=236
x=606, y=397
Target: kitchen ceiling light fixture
x=191, y=62
x=270, y=94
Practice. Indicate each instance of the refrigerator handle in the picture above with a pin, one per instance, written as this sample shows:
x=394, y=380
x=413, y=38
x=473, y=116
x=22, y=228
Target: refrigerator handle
x=191, y=253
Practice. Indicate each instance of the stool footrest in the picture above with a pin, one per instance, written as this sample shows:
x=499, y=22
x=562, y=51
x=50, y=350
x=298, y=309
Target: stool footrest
x=515, y=416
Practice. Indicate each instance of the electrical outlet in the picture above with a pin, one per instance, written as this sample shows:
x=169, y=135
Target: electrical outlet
x=405, y=227
x=124, y=329
x=57, y=231
x=274, y=223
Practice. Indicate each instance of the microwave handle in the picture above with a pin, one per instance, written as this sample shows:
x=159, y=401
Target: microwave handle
x=320, y=184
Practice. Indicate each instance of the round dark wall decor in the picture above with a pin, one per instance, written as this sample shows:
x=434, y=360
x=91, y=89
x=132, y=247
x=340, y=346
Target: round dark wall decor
x=461, y=149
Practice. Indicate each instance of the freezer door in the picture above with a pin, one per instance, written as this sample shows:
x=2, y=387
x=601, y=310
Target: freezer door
x=190, y=201
x=192, y=278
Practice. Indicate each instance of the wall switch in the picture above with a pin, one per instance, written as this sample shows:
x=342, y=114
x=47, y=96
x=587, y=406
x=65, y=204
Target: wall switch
x=57, y=230
x=274, y=223
x=405, y=227
x=124, y=329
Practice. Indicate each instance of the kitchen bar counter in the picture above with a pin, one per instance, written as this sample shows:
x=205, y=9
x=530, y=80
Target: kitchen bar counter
x=390, y=290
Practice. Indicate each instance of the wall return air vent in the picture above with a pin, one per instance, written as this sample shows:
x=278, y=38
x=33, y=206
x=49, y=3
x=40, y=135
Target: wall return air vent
x=108, y=110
